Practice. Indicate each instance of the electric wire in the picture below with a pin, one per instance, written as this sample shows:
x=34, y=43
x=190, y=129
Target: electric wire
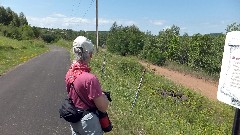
x=75, y=12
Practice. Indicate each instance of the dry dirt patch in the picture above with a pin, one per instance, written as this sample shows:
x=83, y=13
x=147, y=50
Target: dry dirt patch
x=205, y=88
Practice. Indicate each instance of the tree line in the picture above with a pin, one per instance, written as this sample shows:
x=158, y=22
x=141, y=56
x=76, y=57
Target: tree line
x=200, y=52
x=16, y=26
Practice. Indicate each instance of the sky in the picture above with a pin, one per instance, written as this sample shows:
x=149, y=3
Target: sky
x=191, y=16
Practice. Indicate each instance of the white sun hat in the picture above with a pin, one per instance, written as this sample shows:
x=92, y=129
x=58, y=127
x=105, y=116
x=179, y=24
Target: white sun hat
x=82, y=47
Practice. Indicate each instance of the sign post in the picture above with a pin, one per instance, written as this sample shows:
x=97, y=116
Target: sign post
x=229, y=81
x=235, y=129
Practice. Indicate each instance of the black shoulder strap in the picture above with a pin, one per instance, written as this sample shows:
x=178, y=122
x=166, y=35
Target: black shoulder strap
x=80, y=96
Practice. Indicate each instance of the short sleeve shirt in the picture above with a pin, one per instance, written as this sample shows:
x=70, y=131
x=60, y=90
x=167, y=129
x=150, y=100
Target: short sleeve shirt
x=88, y=87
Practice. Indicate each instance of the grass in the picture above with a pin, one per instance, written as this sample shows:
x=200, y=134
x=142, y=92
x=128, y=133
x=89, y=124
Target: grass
x=64, y=43
x=153, y=113
x=196, y=73
x=14, y=52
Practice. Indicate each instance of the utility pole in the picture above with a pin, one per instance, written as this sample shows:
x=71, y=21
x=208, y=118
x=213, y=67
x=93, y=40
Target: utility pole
x=97, y=25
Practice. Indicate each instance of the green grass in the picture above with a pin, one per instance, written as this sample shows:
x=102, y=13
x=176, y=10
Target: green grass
x=64, y=43
x=153, y=113
x=14, y=52
x=196, y=73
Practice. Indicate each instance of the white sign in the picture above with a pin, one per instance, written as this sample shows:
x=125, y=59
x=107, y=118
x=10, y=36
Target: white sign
x=229, y=82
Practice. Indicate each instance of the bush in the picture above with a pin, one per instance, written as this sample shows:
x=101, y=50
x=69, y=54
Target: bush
x=27, y=32
x=48, y=38
x=11, y=32
x=125, y=40
x=153, y=51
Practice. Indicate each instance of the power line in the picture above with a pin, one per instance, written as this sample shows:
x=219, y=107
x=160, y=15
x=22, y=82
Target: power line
x=75, y=12
x=88, y=8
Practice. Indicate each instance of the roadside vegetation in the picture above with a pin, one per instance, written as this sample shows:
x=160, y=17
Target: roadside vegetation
x=14, y=52
x=162, y=107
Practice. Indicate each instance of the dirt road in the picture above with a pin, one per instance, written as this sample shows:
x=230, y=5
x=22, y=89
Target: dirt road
x=201, y=86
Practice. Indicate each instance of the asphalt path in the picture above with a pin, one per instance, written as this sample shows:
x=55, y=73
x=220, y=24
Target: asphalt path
x=31, y=94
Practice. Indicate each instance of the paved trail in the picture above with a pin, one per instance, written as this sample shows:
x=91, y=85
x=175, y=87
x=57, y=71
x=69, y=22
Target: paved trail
x=31, y=94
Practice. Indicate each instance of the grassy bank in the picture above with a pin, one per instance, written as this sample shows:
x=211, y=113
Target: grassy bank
x=196, y=73
x=156, y=111
x=14, y=52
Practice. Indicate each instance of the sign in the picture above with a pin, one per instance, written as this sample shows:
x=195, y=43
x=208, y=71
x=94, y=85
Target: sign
x=229, y=81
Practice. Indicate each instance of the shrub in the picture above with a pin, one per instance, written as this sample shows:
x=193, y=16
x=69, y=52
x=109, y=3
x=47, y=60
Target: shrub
x=48, y=38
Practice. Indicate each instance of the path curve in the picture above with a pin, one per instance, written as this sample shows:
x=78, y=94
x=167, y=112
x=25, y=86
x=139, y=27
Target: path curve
x=205, y=88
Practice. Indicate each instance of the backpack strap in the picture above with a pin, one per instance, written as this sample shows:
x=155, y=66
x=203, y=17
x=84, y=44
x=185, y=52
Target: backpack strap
x=72, y=85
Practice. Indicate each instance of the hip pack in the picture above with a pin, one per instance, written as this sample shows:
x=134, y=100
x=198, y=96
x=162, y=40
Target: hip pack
x=70, y=112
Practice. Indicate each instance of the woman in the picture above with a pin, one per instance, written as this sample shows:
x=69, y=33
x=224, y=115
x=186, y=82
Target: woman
x=87, y=86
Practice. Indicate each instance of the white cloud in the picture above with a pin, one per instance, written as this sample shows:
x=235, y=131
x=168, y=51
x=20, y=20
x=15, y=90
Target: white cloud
x=58, y=15
x=167, y=27
x=105, y=21
x=157, y=22
x=63, y=22
x=75, y=20
x=76, y=23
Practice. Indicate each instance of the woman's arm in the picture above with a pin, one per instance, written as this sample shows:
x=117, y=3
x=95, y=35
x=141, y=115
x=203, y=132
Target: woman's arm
x=101, y=103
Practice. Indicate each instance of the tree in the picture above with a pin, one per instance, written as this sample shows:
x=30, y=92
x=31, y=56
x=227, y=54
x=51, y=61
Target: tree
x=114, y=27
x=9, y=15
x=15, y=21
x=22, y=19
x=27, y=32
x=125, y=40
x=3, y=16
x=171, y=42
x=233, y=27
x=36, y=31
x=48, y=38
x=153, y=50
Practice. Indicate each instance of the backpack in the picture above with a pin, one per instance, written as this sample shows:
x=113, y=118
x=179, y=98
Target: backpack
x=69, y=112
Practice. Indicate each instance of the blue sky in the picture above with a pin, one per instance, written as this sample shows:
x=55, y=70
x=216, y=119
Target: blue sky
x=192, y=16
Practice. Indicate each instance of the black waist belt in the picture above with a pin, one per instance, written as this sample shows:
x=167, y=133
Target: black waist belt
x=88, y=110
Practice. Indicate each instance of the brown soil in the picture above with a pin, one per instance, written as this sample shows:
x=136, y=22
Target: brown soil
x=205, y=88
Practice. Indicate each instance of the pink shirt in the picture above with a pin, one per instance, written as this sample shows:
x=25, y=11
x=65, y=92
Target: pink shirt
x=88, y=87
